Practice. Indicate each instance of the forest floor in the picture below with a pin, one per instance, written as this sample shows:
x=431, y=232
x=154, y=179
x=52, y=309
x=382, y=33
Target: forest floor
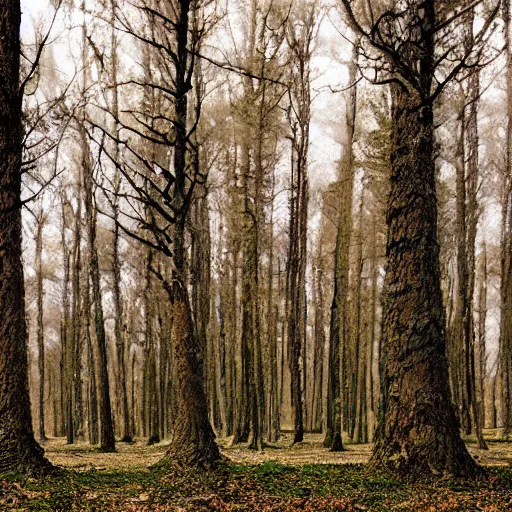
x=282, y=478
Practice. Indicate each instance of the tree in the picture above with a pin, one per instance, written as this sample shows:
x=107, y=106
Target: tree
x=116, y=263
x=40, y=223
x=418, y=430
x=258, y=112
x=158, y=201
x=19, y=452
x=339, y=325
x=505, y=363
x=300, y=35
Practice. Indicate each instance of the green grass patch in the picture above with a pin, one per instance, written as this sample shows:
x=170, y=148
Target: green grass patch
x=269, y=486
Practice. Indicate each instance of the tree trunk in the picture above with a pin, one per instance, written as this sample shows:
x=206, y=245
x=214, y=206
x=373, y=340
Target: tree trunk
x=192, y=438
x=358, y=413
x=65, y=320
x=418, y=430
x=40, y=321
x=482, y=335
x=339, y=331
x=505, y=361
x=19, y=452
x=319, y=348
x=242, y=400
x=75, y=416
x=126, y=436
x=472, y=142
x=150, y=399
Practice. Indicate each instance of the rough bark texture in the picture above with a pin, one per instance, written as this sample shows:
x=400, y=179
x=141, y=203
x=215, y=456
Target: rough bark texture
x=19, y=452
x=418, y=431
x=192, y=438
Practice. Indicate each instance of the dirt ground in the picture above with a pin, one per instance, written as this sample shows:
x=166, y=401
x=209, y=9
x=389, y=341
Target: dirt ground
x=282, y=478
x=139, y=456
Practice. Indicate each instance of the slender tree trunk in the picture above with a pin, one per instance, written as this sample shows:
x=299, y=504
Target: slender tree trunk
x=243, y=411
x=373, y=398
x=482, y=335
x=505, y=361
x=65, y=321
x=116, y=263
x=462, y=307
x=150, y=400
x=73, y=350
x=319, y=349
x=40, y=322
x=472, y=141
x=273, y=428
x=107, y=440
x=91, y=363
x=358, y=412
x=339, y=331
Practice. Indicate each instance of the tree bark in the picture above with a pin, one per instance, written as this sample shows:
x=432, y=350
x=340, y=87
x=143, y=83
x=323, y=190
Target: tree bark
x=19, y=452
x=418, y=431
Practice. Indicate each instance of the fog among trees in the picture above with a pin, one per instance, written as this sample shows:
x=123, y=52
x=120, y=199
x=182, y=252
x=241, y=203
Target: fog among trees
x=268, y=234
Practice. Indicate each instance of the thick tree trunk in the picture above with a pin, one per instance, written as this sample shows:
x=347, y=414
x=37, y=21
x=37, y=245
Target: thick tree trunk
x=19, y=452
x=192, y=438
x=418, y=430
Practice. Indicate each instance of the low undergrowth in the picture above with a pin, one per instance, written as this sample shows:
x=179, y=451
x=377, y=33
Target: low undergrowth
x=270, y=486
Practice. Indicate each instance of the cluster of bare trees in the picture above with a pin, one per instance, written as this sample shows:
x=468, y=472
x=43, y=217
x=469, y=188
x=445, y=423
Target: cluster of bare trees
x=185, y=278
